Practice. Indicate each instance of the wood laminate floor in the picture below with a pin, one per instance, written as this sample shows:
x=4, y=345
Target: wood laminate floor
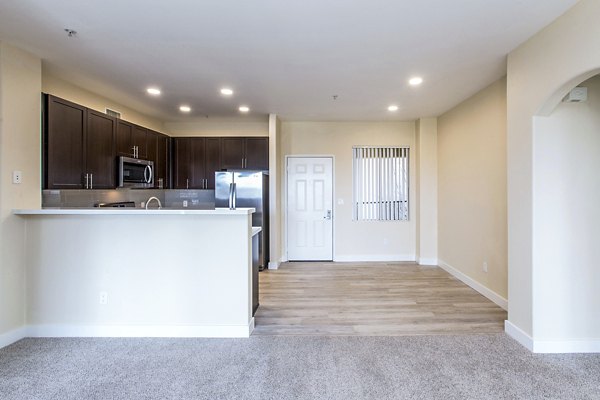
x=377, y=299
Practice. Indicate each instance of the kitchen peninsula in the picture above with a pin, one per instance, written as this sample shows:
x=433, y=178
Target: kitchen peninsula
x=135, y=272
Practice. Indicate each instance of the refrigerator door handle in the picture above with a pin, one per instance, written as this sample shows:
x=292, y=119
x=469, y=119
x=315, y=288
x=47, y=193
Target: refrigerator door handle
x=232, y=196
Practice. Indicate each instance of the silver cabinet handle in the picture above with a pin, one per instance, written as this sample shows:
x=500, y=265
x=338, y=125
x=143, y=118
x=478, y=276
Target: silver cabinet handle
x=187, y=183
x=160, y=183
x=91, y=181
x=206, y=184
x=87, y=178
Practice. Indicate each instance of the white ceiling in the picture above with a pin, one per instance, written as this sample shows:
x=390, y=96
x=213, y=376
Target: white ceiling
x=287, y=57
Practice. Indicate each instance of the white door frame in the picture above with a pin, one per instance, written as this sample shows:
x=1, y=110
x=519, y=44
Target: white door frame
x=285, y=200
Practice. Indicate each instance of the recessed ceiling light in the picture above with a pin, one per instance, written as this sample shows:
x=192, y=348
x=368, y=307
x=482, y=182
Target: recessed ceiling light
x=185, y=109
x=393, y=107
x=226, y=91
x=153, y=91
x=416, y=81
x=244, y=109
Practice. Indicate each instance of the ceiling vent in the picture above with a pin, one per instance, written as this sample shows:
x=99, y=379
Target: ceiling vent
x=576, y=95
x=113, y=113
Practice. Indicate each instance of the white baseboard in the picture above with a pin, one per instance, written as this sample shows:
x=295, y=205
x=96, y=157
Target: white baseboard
x=274, y=265
x=551, y=346
x=175, y=331
x=13, y=336
x=519, y=335
x=490, y=294
x=376, y=258
x=428, y=261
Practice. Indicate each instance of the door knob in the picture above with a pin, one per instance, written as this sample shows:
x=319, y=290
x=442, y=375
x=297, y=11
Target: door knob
x=328, y=215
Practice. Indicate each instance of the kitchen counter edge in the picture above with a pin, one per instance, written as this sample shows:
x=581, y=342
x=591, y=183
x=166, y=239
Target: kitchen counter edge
x=130, y=211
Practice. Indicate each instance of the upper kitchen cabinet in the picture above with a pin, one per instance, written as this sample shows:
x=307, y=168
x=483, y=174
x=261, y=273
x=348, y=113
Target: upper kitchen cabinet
x=132, y=140
x=79, y=146
x=232, y=153
x=100, y=150
x=257, y=153
x=158, y=151
x=195, y=161
x=64, y=139
x=245, y=153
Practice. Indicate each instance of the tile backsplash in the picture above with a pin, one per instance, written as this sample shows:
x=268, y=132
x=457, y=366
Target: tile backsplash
x=171, y=198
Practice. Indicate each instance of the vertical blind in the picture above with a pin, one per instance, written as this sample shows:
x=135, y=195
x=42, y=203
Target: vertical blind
x=380, y=183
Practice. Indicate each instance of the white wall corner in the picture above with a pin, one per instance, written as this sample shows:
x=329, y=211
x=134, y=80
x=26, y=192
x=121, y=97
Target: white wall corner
x=10, y=337
x=518, y=334
x=485, y=291
x=551, y=346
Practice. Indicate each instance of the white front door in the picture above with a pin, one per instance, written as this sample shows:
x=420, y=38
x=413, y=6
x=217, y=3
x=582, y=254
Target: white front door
x=310, y=208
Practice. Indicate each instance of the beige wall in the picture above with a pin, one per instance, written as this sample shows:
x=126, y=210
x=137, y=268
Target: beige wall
x=540, y=72
x=364, y=240
x=275, y=183
x=20, y=86
x=220, y=127
x=66, y=90
x=426, y=187
x=472, y=188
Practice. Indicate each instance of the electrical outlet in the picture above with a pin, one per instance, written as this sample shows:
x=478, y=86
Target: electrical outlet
x=185, y=203
x=485, y=266
x=103, y=298
x=17, y=177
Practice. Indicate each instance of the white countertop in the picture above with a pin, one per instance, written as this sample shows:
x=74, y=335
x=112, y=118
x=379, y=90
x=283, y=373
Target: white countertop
x=132, y=211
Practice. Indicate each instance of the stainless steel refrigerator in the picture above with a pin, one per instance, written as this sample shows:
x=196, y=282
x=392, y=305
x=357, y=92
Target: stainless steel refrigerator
x=245, y=189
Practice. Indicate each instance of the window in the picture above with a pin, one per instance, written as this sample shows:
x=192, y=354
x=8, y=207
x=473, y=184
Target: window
x=380, y=183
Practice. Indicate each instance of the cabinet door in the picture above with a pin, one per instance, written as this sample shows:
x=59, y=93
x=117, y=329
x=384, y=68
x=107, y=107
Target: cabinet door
x=213, y=160
x=139, y=139
x=100, y=150
x=257, y=153
x=123, y=138
x=181, y=163
x=162, y=161
x=65, y=141
x=197, y=163
x=232, y=153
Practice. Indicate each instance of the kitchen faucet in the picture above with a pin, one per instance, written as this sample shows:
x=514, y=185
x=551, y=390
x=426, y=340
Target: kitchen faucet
x=153, y=198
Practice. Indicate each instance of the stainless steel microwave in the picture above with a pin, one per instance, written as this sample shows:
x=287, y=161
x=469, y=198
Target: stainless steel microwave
x=136, y=173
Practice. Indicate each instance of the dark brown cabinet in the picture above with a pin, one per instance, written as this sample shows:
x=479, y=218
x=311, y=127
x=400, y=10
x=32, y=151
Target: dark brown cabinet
x=64, y=140
x=100, y=151
x=212, y=157
x=232, y=153
x=79, y=146
x=245, y=153
x=195, y=161
x=158, y=151
x=132, y=140
x=257, y=153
